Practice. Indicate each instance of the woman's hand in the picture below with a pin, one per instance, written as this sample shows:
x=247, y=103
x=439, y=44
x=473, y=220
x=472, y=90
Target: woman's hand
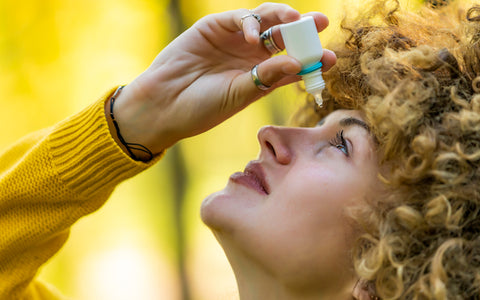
x=203, y=76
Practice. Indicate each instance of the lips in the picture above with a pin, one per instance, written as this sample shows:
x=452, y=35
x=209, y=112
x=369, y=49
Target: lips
x=252, y=177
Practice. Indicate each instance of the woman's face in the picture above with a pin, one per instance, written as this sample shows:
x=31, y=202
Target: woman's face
x=286, y=213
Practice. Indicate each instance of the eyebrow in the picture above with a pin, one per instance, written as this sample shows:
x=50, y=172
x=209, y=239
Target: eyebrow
x=354, y=121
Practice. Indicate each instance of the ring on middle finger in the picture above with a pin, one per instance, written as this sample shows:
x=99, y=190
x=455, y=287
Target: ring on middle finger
x=251, y=14
x=268, y=42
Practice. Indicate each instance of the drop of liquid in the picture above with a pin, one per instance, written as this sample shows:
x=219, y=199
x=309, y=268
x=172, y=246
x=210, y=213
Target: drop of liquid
x=318, y=99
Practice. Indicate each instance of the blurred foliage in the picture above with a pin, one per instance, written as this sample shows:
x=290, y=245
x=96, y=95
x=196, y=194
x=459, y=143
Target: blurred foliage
x=57, y=56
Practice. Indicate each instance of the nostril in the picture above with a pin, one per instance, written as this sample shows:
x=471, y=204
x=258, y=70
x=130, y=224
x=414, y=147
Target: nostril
x=275, y=143
x=270, y=147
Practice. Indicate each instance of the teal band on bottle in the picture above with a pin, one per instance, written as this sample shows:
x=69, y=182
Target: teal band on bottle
x=311, y=68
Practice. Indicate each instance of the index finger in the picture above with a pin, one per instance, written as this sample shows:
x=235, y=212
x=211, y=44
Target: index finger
x=270, y=14
x=321, y=22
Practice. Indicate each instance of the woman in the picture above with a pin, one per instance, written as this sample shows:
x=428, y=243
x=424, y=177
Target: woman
x=400, y=103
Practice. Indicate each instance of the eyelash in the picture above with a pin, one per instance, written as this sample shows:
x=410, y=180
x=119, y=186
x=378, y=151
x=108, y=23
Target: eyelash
x=339, y=142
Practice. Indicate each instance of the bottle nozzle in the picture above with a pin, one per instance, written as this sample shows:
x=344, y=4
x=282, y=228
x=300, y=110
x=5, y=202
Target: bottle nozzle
x=318, y=99
x=314, y=85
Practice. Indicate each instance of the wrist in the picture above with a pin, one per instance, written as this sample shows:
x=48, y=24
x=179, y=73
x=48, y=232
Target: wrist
x=135, y=150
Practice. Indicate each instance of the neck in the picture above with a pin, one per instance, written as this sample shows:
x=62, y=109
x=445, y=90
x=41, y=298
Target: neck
x=256, y=286
x=254, y=283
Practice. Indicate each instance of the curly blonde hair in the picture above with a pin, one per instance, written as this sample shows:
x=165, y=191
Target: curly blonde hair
x=416, y=77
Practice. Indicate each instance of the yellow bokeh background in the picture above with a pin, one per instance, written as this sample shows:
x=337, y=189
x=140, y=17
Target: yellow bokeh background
x=56, y=57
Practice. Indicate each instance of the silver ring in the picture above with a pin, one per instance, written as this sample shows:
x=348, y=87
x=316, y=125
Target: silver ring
x=251, y=14
x=268, y=42
x=256, y=80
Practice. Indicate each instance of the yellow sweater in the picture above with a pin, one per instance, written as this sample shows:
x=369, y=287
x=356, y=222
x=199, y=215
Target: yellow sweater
x=48, y=180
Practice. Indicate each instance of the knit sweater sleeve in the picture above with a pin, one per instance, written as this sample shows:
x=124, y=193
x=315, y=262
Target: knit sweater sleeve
x=48, y=180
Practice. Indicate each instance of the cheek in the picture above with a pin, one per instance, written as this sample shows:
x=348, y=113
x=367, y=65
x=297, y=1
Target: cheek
x=315, y=203
x=305, y=232
x=324, y=189
x=311, y=200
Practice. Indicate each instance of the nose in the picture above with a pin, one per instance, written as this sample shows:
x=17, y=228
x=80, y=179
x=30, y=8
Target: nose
x=275, y=143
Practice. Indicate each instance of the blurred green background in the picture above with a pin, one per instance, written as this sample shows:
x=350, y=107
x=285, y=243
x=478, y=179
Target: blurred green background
x=147, y=242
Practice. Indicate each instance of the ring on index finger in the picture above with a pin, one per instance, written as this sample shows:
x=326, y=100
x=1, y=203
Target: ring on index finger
x=268, y=42
x=251, y=14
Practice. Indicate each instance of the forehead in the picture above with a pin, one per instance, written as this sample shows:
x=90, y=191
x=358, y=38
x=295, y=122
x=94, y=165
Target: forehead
x=337, y=115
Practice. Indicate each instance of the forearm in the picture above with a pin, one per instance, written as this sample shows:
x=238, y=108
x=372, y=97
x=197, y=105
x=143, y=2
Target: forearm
x=49, y=180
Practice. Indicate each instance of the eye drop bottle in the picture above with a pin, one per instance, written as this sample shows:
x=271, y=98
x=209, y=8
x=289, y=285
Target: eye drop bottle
x=302, y=42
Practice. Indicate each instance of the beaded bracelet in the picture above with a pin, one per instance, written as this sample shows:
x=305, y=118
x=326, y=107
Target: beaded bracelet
x=128, y=146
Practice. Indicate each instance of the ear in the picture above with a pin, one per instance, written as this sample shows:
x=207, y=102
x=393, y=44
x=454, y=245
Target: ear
x=360, y=292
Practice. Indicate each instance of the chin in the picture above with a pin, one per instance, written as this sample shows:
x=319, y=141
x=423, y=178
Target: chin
x=210, y=210
x=230, y=209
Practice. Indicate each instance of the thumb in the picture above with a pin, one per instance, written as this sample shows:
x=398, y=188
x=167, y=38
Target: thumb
x=272, y=73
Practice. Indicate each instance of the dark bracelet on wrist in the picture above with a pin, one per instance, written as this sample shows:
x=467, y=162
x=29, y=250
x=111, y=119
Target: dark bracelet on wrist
x=128, y=146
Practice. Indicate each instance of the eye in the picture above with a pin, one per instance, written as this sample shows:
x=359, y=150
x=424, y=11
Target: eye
x=320, y=123
x=340, y=143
